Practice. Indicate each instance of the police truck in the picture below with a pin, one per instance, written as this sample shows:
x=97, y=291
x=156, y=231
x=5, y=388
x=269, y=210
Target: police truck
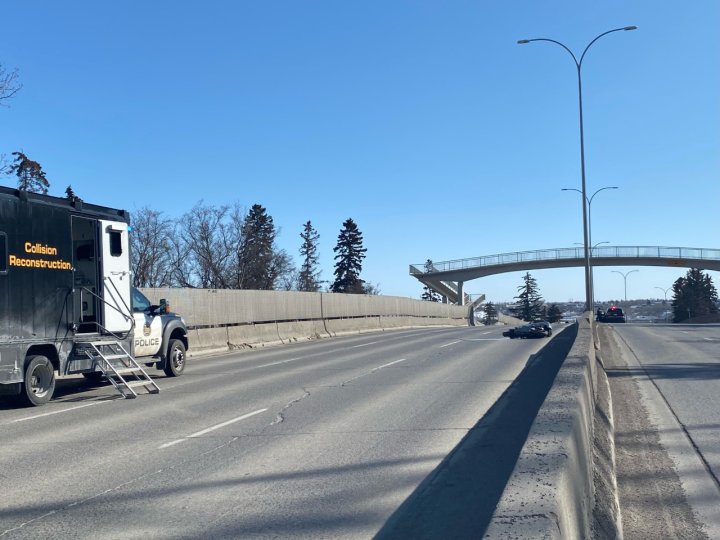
x=67, y=305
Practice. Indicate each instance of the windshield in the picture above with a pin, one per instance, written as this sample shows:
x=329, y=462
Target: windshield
x=140, y=302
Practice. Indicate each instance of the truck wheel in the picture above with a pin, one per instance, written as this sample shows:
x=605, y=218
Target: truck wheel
x=39, y=383
x=549, y=332
x=175, y=360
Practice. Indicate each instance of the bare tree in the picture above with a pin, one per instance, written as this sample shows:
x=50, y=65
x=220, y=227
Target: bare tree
x=206, y=240
x=151, y=249
x=9, y=84
x=180, y=264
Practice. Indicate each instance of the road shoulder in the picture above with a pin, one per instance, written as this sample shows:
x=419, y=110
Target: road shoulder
x=653, y=499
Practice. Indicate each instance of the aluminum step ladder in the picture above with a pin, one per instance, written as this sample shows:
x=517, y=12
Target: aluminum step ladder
x=120, y=368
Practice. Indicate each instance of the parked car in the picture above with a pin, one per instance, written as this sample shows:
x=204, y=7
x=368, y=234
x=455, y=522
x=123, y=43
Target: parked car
x=535, y=329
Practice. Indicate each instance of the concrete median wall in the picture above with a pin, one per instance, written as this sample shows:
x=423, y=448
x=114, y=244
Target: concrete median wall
x=550, y=493
x=220, y=318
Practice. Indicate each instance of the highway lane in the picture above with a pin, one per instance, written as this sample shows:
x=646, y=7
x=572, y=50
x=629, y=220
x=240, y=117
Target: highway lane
x=315, y=439
x=677, y=370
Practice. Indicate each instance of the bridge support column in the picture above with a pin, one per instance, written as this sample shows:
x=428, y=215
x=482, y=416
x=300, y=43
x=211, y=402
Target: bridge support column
x=461, y=295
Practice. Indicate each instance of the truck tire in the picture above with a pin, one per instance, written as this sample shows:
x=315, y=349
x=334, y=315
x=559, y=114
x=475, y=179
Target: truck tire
x=39, y=383
x=175, y=358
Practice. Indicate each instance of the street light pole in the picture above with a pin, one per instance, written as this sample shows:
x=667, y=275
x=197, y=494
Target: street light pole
x=625, y=275
x=586, y=238
x=665, y=291
x=592, y=248
x=589, y=205
x=589, y=227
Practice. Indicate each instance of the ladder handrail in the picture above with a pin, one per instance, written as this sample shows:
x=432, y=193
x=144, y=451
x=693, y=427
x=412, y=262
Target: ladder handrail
x=125, y=316
x=111, y=372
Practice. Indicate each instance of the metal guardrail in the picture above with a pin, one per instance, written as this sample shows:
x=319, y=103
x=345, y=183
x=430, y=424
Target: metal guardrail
x=570, y=253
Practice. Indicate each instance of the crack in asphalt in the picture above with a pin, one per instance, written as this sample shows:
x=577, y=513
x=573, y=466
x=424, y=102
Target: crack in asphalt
x=280, y=418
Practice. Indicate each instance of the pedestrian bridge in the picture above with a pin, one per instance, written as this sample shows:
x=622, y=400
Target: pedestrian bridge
x=447, y=277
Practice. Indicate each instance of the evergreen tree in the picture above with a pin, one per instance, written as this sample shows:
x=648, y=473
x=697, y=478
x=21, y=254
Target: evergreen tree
x=694, y=296
x=529, y=302
x=491, y=314
x=349, y=256
x=256, y=254
x=70, y=194
x=30, y=175
x=309, y=276
x=429, y=294
x=554, y=313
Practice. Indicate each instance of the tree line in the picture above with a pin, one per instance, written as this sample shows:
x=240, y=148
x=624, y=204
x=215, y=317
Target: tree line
x=695, y=298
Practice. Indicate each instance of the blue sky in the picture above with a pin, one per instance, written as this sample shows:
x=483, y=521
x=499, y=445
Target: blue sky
x=423, y=121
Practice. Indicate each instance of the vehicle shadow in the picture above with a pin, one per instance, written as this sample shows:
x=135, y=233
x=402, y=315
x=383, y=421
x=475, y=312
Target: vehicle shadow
x=70, y=390
x=458, y=499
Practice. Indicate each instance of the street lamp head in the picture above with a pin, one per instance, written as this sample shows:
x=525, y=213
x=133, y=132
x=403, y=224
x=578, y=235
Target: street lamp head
x=523, y=41
x=630, y=28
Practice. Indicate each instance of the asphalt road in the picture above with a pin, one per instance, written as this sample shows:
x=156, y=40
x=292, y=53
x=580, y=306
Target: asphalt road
x=665, y=381
x=321, y=439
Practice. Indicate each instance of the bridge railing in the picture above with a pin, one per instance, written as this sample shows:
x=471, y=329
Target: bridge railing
x=620, y=252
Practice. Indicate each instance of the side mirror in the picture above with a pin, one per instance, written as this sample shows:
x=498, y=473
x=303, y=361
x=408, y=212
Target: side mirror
x=164, y=306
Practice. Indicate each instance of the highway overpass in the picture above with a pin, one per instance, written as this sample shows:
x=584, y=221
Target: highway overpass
x=448, y=277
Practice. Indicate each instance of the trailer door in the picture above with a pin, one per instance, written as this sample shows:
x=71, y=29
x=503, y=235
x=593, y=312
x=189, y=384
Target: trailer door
x=117, y=314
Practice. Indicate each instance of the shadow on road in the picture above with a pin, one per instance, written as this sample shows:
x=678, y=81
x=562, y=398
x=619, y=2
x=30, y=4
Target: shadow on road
x=458, y=498
x=688, y=371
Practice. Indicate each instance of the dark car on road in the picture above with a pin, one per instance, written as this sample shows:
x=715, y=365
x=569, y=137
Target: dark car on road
x=613, y=314
x=535, y=329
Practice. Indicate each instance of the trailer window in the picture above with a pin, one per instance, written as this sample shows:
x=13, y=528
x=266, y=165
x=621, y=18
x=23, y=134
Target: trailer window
x=115, y=243
x=3, y=253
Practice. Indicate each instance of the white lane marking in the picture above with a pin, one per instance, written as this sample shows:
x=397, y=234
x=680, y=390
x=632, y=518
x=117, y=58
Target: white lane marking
x=62, y=411
x=485, y=333
x=486, y=339
x=363, y=345
x=708, y=339
x=389, y=364
x=451, y=343
x=213, y=428
x=280, y=362
x=373, y=370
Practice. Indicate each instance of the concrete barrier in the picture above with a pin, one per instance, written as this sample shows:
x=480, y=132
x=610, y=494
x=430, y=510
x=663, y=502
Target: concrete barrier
x=355, y=325
x=208, y=338
x=242, y=318
x=301, y=330
x=249, y=335
x=550, y=493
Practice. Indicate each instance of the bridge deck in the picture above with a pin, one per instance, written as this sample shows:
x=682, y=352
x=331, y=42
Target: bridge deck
x=461, y=270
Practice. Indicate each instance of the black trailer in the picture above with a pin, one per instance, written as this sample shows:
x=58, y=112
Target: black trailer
x=64, y=282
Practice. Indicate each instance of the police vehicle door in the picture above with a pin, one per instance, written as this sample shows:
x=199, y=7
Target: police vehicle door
x=148, y=328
